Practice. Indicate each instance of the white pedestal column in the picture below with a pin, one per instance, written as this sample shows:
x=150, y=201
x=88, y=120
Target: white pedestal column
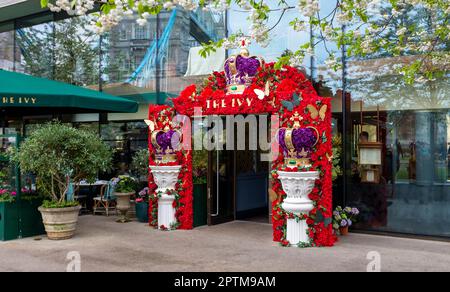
x=165, y=178
x=297, y=186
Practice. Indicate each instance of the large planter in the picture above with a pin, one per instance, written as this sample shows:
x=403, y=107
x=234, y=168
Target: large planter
x=165, y=178
x=60, y=223
x=297, y=186
x=123, y=205
x=20, y=219
x=142, y=212
x=9, y=221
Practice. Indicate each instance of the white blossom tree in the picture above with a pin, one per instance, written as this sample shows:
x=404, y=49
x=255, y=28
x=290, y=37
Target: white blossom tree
x=364, y=27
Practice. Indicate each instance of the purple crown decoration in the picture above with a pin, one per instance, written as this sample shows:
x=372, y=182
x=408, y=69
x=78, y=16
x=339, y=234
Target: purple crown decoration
x=297, y=144
x=166, y=143
x=241, y=69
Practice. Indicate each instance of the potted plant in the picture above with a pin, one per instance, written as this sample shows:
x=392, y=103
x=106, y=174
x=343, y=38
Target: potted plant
x=124, y=188
x=142, y=205
x=343, y=219
x=60, y=155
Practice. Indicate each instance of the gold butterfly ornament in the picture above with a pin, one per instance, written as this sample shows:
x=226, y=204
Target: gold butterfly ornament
x=317, y=112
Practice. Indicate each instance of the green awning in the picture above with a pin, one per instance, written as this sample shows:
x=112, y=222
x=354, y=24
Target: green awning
x=24, y=91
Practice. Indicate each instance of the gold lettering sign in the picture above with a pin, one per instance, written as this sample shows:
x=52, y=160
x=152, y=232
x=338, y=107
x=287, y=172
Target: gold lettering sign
x=18, y=100
x=225, y=102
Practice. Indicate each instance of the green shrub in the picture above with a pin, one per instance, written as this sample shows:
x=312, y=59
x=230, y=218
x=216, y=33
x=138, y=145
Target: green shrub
x=60, y=154
x=140, y=163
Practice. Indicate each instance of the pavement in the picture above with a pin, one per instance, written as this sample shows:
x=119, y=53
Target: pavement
x=104, y=245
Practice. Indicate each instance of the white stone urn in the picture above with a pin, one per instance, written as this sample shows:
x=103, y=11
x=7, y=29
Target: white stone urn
x=123, y=205
x=297, y=186
x=166, y=178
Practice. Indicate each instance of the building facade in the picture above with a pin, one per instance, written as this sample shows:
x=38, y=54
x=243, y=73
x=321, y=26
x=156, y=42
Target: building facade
x=411, y=122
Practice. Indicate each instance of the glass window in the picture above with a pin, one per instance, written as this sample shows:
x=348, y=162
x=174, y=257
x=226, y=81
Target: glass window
x=408, y=189
x=7, y=50
x=141, y=32
x=76, y=53
x=35, y=46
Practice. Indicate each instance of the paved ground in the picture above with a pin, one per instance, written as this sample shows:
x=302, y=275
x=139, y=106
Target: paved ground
x=238, y=246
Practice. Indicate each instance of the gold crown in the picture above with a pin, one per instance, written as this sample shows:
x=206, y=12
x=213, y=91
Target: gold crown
x=240, y=70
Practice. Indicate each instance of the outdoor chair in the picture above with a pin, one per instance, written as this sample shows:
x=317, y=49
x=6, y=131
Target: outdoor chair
x=106, y=201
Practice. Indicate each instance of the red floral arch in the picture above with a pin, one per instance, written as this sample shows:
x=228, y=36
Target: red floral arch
x=314, y=111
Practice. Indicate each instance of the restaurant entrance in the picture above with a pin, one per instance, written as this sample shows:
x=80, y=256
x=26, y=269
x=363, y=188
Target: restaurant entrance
x=238, y=182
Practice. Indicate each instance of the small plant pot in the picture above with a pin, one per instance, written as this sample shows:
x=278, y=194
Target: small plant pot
x=60, y=223
x=142, y=212
x=343, y=230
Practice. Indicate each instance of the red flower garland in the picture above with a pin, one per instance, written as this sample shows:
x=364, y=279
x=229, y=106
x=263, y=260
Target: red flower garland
x=184, y=187
x=283, y=84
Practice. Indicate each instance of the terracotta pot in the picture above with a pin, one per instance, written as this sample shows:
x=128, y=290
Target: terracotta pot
x=60, y=223
x=123, y=205
x=343, y=230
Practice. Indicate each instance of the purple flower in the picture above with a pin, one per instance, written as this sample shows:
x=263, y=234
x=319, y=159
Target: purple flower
x=335, y=213
x=355, y=211
x=343, y=223
x=349, y=222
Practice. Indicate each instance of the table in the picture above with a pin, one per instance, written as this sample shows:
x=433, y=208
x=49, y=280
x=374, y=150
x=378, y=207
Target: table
x=88, y=195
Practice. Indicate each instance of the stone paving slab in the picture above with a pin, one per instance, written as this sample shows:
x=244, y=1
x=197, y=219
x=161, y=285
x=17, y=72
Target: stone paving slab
x=105, y=245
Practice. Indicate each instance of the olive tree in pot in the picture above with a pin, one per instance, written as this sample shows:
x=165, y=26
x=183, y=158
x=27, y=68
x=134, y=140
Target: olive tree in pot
x=59, y=156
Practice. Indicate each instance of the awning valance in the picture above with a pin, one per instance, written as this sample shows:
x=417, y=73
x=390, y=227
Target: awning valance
x=23, y=91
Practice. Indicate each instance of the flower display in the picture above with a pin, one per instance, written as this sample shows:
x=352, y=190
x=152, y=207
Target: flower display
x=6, y=194
x=123, y=184
x=143, y=195
x=282, y=84
x=344, y=217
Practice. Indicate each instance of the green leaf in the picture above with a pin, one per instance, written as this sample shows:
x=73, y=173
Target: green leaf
x=44, y=3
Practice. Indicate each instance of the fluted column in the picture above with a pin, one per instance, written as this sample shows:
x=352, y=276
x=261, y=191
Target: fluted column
x=297, y=186
x=166, y=178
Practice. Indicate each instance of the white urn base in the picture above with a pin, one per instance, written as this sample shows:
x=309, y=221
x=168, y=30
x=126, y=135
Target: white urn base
x=297, y=186
x=165, y=178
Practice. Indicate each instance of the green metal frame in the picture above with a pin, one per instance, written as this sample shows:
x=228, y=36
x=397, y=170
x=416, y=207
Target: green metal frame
x=20, y=218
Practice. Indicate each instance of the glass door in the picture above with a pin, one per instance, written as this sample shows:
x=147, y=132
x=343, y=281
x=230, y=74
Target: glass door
x=221, y=183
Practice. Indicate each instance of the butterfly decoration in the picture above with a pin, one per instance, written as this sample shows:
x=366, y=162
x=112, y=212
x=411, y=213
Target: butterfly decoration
x=317, y=113
x=263, y=94
x=150, y=124
x=329, y=157
x=291, y=104
x=320, y=217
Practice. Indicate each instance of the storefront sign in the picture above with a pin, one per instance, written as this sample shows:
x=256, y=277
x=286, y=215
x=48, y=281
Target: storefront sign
x=227, y=102
x=18, y=100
